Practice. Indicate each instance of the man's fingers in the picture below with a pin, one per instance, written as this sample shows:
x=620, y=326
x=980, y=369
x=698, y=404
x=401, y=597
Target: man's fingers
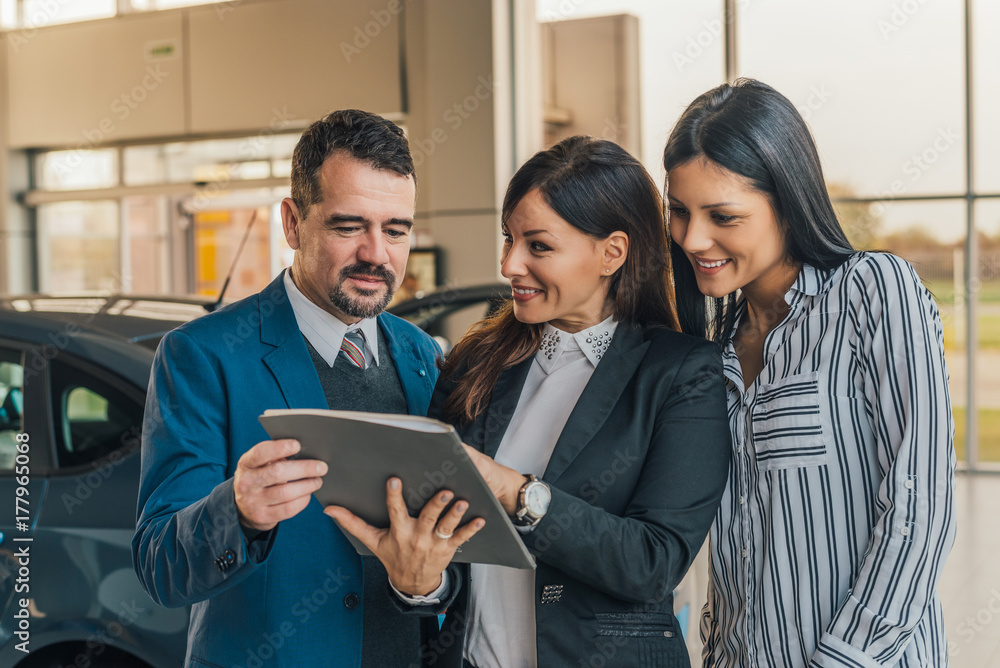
x=466, y=532
x=289, y=491
x=431, y=512
x=266, y=452
x=398, y=513
x=284, y=471
x=450, y=521
x=357, y=527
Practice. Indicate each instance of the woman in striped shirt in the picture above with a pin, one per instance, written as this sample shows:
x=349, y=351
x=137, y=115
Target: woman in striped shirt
x=839, y=510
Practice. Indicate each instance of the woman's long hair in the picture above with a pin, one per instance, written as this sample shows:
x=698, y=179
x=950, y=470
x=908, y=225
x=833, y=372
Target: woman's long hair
x=752, y=130
x=598, y=188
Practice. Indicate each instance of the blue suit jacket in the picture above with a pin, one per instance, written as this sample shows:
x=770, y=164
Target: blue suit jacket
x=294, y=594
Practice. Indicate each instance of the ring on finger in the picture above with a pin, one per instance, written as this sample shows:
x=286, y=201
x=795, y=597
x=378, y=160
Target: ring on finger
x=443, y=536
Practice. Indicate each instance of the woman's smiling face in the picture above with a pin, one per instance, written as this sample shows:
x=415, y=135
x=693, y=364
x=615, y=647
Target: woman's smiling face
x=727, y=229
x=558, y=273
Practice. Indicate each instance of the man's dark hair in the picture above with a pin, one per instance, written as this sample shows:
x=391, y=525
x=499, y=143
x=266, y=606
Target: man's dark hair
x=362, y=135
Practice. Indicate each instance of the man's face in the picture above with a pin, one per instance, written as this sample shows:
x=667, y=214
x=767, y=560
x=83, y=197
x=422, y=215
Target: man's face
x=351, y=247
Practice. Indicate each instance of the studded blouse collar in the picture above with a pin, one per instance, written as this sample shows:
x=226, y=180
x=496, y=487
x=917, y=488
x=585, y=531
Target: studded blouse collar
x=592, y=342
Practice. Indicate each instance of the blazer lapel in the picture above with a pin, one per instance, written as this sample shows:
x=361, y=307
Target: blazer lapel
x=503, y=401
x=289, y=362
x=417, y=381
x=599, y=397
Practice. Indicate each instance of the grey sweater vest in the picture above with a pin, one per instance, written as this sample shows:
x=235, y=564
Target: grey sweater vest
x=390, y=638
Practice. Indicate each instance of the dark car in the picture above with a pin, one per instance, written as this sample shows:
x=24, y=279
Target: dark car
x=73, y=378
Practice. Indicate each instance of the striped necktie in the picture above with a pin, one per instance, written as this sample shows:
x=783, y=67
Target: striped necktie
x=353, y=348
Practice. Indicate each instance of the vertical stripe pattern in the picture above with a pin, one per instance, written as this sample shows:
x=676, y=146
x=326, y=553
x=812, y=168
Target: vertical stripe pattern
x=839, y=512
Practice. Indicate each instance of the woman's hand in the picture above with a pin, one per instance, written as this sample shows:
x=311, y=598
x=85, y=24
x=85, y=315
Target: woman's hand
x=504, y=482
x=412, y=548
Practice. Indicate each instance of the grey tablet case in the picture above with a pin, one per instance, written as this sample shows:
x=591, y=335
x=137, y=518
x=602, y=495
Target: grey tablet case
x=363, y=450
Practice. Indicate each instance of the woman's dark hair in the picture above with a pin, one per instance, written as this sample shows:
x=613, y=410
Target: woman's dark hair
x=752, y=130
x=598, y=188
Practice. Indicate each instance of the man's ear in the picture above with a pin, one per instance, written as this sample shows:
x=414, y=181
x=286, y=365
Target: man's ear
x=615, y=252
x=290, y=220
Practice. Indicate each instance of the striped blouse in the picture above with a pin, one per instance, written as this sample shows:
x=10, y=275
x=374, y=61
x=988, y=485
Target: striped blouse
x=839, y=511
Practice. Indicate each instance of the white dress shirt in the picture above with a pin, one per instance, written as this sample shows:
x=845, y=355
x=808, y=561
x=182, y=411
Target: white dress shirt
x=326, y=334
x=839, y=511
x=325, y=331
x=501, y=605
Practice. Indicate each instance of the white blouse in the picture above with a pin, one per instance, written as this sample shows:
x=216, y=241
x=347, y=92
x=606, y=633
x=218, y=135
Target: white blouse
x=501, y=607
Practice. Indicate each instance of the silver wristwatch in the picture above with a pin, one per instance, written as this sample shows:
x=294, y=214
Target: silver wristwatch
x=532, y=502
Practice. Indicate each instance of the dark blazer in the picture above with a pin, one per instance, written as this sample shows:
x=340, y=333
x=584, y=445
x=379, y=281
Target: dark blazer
x=636, y=476
x=295, y=596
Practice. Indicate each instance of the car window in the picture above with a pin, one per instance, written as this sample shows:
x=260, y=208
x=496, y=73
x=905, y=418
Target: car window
x=93, y=415
x=11, y=405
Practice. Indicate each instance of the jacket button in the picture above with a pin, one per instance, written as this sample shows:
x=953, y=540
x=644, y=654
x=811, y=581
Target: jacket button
x=230, y=556
x=351, y=601
x=422, y=373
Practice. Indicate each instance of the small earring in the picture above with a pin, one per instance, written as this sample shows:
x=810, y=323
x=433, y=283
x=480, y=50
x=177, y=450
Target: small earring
x=607, y=271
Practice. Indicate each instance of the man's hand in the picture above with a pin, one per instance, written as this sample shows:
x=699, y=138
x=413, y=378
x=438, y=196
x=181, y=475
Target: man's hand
x=270, y=487
x=411, y=549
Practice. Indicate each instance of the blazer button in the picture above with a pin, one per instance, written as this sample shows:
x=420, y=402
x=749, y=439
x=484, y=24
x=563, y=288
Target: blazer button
x=351, y=601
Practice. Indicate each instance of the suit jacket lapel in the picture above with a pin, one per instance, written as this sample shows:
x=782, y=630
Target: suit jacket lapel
x=417, y=381
x=502, y=404
x=599, y=397
x=289, y=362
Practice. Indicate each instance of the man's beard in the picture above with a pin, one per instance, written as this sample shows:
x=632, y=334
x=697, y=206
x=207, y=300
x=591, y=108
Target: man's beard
x=363, y=308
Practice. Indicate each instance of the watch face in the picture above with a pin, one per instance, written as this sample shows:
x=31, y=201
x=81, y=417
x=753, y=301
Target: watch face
x=537, y=498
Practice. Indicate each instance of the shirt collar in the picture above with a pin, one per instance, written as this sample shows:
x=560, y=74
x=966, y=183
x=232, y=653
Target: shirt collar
x=325, y=331
x=592, y=342
x=808, y=282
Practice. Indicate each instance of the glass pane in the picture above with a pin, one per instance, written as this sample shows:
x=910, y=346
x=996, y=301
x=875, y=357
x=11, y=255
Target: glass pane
x=986, y=98
x=77, y=170
x=145, y=5
x=147, y=250
x=216, y=160
x=217, y=236
x=92, y=416
x=8, y=14
x=931, y=236
x=38, y=13
x=681, y=56
x=143, y=165
x=11, y=405
x=84, y=404
x=881, y=87
x=987, y=292
x=79, y=247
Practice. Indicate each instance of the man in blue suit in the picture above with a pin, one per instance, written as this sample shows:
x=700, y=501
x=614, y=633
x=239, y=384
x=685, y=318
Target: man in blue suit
x=227, y=522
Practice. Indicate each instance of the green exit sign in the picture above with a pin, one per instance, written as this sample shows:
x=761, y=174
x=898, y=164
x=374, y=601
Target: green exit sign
x=163, y=49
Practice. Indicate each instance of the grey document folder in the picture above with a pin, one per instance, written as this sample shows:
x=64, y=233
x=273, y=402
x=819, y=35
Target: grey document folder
x=363, y=450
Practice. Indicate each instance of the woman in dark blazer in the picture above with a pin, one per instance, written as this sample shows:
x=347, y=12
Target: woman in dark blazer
x=600, y=428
